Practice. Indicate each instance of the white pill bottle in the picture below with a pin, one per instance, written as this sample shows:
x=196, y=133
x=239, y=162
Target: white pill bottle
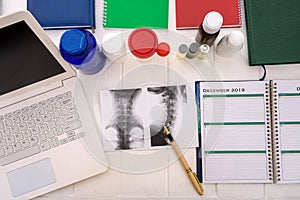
x=230, y=44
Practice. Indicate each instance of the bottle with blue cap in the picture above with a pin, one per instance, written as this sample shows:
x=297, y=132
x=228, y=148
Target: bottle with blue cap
x=79, y=47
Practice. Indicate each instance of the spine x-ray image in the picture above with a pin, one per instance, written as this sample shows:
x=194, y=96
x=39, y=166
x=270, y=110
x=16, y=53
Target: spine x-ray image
x=134, y=118
x=170, y=98
x=128, y=127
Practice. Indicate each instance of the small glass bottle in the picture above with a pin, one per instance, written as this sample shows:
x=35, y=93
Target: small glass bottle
x=193, y=50
x=230, y=44
x=79, y=47
x=209, y=29
x=203, y=51
x=182, y=51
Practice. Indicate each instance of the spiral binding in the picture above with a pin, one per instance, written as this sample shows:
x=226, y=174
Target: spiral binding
x=240, y=12
x=269, y=132
x=275, y=135
x=104, y=13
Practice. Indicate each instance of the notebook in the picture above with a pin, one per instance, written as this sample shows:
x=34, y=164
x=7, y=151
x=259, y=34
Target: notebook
x=48, y=138
x=273, y=31
x=249, y=131
x=52, y=14
x=190, y=13
x=136, y=14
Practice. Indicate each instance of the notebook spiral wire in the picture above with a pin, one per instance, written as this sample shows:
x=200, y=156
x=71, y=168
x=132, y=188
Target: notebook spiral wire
x=240, y=12
x=275, y=135
x=274, y=132
x=269, y=132
x=104, y=13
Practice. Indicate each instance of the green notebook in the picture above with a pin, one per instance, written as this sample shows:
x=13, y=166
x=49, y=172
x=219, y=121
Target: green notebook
x=273, y=31
x=136, y=13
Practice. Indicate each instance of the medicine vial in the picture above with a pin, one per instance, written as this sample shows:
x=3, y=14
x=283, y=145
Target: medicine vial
x=182, y=51
x=209, y=29
x=79, y=47
x=203, y=51
x=230, y=44
x=193, y=50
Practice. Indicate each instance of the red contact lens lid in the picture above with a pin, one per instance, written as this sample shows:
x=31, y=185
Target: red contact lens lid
x=142, y=42
x=163, y=49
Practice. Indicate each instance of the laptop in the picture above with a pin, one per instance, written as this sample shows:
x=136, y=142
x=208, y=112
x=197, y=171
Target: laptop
x=48, y=135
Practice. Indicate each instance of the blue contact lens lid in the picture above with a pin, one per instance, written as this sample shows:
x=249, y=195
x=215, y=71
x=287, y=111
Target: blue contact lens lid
x=73, y=42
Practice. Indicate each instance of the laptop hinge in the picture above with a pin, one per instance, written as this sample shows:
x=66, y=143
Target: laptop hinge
x=19, y=96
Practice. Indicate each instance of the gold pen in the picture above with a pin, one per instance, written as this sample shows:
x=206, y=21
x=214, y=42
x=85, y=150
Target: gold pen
x=192, y=176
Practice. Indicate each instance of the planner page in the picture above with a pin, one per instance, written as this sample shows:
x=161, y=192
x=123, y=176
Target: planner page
x=287, y=96
x=234, y=132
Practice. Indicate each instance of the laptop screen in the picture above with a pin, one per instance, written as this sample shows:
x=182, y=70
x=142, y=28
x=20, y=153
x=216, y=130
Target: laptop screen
x=24, y=59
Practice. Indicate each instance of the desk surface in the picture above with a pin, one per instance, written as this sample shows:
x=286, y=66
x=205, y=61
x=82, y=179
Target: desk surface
x=170, y=182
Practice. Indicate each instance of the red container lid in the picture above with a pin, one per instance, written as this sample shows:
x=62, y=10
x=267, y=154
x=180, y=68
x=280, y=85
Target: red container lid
x=163, y=49
x=142, y=42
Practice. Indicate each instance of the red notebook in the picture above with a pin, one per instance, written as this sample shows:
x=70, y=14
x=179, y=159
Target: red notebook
x=190, y=13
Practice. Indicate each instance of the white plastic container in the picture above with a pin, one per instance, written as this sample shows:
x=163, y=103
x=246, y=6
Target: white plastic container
x=112, y=45
x=230, y=44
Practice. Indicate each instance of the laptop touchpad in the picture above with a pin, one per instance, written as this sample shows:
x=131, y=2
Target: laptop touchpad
x=31, y=177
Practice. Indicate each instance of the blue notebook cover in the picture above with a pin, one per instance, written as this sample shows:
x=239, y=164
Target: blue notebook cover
x=53, y=14
x=198, y=149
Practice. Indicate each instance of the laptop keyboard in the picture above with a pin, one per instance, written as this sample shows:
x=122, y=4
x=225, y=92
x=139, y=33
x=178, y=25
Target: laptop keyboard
x=38, y=128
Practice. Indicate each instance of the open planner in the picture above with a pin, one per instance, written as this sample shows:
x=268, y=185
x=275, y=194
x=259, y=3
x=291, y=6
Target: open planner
x=250, y=131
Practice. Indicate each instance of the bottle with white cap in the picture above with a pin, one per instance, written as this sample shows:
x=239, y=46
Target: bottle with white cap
x=113, y=46
x=230, y=44
x=210, y=28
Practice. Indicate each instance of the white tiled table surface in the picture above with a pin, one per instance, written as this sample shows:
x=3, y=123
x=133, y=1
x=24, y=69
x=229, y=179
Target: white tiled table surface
x=169, y=182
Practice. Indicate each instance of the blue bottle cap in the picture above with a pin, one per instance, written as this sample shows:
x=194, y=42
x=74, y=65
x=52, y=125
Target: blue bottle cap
x=73, y=42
